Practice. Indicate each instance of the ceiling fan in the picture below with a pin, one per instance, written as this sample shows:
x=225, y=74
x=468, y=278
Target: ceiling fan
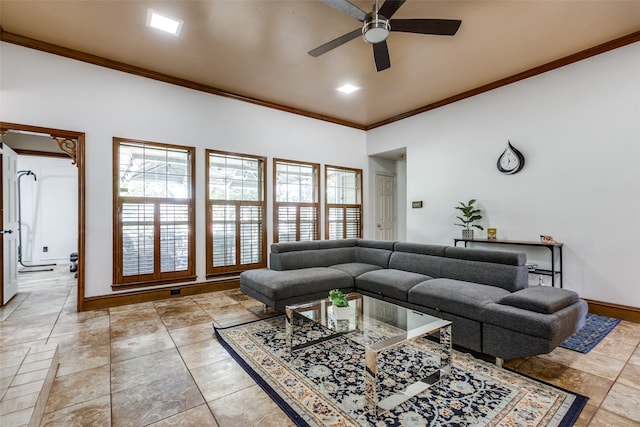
x=377, y=25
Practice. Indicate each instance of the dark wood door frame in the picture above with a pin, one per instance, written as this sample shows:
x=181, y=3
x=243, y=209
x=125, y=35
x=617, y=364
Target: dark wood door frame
x=79, y=159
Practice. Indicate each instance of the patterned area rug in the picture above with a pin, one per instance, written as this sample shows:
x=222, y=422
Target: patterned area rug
x=323, y=384
x=594, y=330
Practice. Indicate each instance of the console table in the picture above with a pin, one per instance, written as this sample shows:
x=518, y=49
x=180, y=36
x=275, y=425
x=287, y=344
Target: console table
x=553, y=248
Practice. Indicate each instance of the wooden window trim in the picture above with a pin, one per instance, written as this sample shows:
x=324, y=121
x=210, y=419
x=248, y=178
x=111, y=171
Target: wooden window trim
x=237, y=268
x=277, y=204
x=344, y=207
x=157, y=278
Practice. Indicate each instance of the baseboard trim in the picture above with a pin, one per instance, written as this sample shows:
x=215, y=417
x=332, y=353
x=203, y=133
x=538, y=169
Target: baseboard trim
x=624, y=312
x=134, y=297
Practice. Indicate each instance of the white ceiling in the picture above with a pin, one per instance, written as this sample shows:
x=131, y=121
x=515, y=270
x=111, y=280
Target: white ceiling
x=258, y=48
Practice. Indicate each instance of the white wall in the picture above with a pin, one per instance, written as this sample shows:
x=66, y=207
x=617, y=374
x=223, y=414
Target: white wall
x=50, y=91
x=579, y=129
x=49, y=209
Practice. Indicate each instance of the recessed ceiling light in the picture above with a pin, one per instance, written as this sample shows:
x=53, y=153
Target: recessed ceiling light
x=348, y=88
x=155, y=20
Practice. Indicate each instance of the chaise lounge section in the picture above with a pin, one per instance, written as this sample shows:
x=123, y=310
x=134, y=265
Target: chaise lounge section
x=484, y=293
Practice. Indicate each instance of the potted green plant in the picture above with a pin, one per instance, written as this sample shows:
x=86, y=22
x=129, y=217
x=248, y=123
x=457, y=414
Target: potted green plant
x=340, y=305
x=469, y=214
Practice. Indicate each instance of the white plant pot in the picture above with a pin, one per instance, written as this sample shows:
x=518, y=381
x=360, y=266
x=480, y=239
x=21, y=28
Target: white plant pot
x=341, y=313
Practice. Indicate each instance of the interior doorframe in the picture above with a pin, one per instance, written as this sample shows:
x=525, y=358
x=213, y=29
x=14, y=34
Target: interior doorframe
x=80, y=163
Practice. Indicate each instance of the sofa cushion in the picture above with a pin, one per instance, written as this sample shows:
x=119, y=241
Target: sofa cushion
x=483, y=255
x=428, y=265
x=509, y=277
x=292, y=260
x=354, y=269
x=278, y=285
x=375, y=256
x=376, y=244
x=389, y=282
x=541, y=299
x=457, y=297
x=556, y=326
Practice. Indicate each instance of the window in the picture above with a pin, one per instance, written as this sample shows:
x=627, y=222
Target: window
x=153, y=222
x=343, y=203
x=296, y=194
x=236, y=236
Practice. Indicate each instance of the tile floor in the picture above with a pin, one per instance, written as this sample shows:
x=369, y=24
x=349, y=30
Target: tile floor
x=159, y=364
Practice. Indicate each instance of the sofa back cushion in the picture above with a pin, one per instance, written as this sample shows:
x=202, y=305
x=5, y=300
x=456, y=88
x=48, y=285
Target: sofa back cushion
x=497, y=257
x=311, y=258
x=417, y=258
x=506, y=270
x=379, y=257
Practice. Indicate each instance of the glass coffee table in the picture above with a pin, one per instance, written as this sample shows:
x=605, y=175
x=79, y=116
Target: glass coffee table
x=378, y=326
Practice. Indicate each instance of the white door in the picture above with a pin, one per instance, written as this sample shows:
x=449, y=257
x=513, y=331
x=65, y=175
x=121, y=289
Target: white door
x=385, y=207
x=9, y=223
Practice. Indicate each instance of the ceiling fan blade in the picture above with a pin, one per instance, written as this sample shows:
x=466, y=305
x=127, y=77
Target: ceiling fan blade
x=345, y=7
x=441, y=27
x=335, y=43
x=390, y=7
x=381, y=56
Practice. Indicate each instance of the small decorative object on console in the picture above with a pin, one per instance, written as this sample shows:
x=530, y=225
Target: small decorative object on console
x=492, y=233
x=546, y=239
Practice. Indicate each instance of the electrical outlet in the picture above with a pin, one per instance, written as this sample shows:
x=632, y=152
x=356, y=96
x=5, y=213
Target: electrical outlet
x=45, y=249
x=175, y=291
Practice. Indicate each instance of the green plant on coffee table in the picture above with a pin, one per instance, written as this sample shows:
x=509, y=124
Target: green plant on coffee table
x=338, y=299
x=469, y=215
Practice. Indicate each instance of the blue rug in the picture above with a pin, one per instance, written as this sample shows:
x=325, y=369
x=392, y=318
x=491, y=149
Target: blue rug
x=322, y=385
x=595, y=329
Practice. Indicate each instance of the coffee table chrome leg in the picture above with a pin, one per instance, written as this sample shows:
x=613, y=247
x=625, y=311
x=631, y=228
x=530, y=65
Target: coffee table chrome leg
x=288, y=327
x=445, y=357
x=371, y=379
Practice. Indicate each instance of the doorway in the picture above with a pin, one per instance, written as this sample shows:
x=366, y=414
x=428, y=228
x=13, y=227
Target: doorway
x=43, y=150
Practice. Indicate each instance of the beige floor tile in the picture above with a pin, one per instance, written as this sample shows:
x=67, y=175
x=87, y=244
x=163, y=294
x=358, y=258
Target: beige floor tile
x=19, y=418
x=94, y=413
x=220, y=379
x=69, y=390
x=210, y=301
x=199, y=416
x=131, y=307
x=125, y=330
x=232, y=410
x=592, y=363
x=624, y=401
x=610, y=347
x=192, y=334
x=69, y=326
x=152, y=401
x=83, y=350
x=145, y=369
x=202, y=353
x=603, y=418
x=181, y=314
x=635, y=357
x=626, y=333
x=575, y=380
x=18, y=403
x=134, y=316
x=630, y=376
x=140, y=345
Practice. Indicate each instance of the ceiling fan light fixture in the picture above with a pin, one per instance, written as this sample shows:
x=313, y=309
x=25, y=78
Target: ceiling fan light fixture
x=376, y=30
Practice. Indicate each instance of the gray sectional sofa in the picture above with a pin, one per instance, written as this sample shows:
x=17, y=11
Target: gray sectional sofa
x=484, y=293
